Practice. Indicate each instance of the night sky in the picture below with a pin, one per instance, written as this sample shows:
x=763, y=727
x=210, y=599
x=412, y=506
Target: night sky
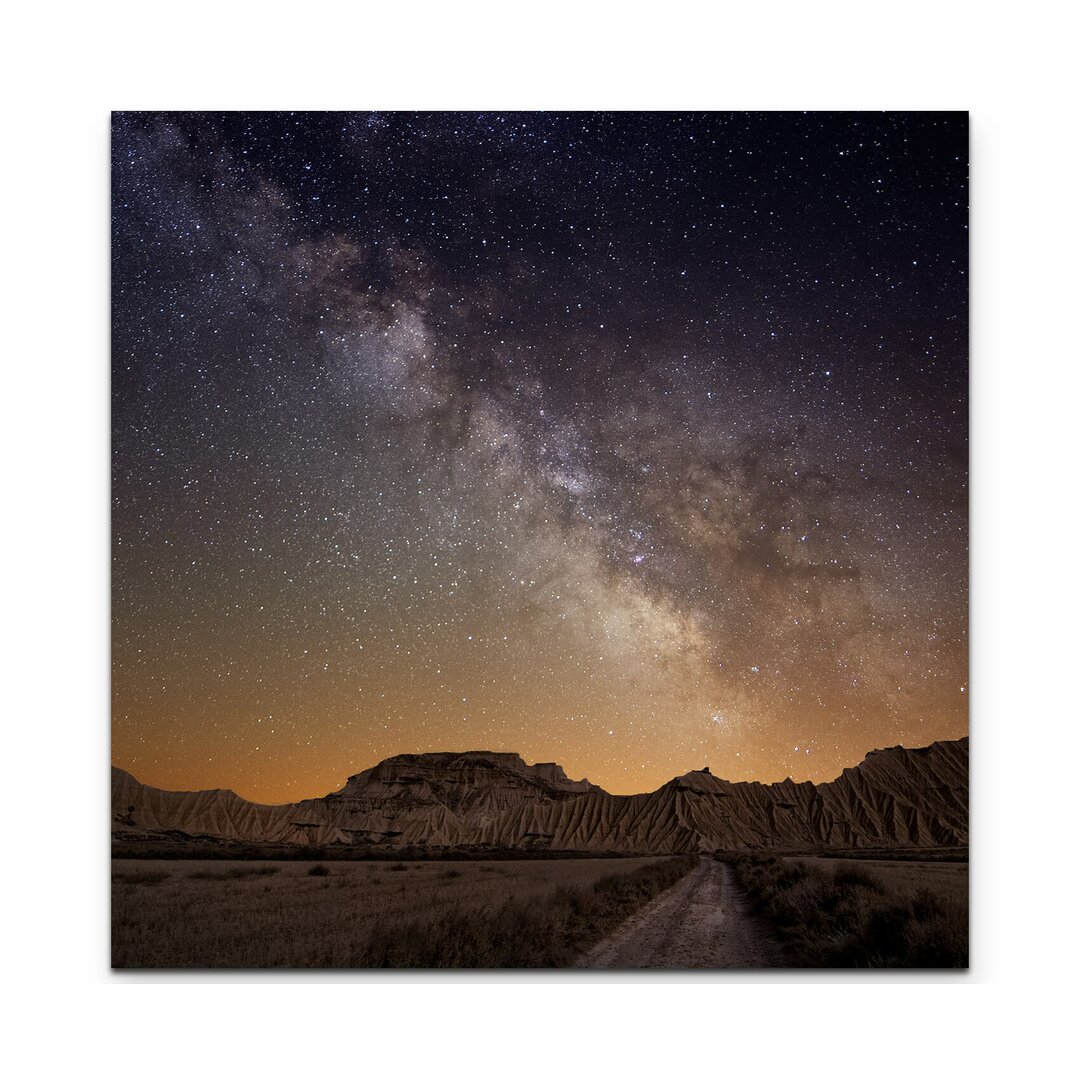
x=635, y=442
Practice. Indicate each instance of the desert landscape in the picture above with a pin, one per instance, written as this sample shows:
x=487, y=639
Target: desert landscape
x=478, y=860
x=539, y=540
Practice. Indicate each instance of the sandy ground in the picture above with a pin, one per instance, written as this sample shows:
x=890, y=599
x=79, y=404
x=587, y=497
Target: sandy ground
x=701, y=922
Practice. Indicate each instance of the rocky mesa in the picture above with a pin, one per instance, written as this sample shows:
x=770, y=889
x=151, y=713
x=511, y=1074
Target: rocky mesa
x=486, y=800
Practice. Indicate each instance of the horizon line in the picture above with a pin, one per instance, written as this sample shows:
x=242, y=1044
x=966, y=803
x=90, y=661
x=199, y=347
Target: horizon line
x=513, y=753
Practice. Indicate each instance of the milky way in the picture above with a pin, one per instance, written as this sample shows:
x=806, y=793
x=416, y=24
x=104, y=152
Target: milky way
x=631, y=441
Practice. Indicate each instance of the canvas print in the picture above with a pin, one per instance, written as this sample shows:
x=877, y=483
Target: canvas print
x=539, y=540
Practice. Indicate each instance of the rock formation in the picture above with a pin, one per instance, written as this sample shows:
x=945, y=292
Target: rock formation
x=481, y=800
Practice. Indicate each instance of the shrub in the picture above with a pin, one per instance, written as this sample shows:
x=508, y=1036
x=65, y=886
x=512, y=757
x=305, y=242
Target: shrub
x=858, y=875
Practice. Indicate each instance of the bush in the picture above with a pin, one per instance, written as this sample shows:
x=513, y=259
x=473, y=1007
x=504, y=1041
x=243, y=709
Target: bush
x=858, y=875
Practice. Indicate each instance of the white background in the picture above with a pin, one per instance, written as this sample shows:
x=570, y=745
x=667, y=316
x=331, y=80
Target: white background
x=68, y=65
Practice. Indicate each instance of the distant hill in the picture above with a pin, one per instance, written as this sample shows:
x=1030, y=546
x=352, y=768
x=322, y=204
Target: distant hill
x=893, y=798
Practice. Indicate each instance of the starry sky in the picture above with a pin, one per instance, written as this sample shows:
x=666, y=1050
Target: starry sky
x=631, y=441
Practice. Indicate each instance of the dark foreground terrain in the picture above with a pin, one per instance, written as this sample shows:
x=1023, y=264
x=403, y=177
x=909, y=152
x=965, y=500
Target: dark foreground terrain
x=737, y=910
x=430, y=914
x=875, y=912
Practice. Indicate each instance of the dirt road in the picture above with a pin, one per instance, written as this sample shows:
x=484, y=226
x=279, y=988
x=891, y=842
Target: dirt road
x=700, y=922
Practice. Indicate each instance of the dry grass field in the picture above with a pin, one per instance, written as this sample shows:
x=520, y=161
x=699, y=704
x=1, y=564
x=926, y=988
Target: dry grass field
x=216, y=913
x=948, y=880
x=843, y=912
